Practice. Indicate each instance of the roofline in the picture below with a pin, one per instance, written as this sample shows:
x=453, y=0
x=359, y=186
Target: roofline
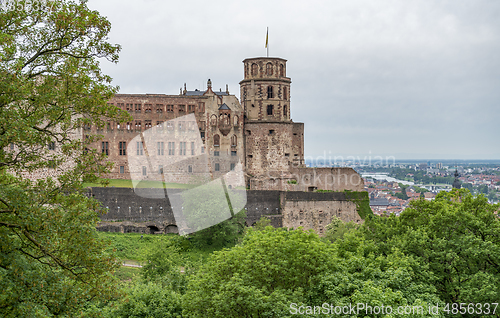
x=260, y=58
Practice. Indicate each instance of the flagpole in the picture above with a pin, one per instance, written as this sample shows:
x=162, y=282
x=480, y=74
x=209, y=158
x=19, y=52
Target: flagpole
x=267, y=41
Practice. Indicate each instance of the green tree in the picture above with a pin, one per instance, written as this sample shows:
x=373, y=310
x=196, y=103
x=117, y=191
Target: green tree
x=259, y=277
x=208, y=204
x=51, y=259
x=338, y=228
x=456, y=237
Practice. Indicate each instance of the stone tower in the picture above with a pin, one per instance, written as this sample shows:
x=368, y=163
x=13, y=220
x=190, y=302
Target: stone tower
x=273, y=142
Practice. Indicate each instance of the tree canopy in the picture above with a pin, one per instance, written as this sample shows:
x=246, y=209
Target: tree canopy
x=51, y=259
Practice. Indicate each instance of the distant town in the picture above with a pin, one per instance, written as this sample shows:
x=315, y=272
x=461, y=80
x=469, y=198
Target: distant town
x=393, y=185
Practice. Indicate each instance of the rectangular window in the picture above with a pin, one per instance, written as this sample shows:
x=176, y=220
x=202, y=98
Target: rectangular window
x=190, y=168
x=202, y=134
x=232, y=166
x=159, y=108
x=12, y=146
x=148, y=108
x=192, y=148
x=137, y=125
x=159, y=125
x=160, y=169
x=191, y=108
x=147, y=124
x=201, y=107
x=140, y=148
x=144, y=172
x=137, y=108
x=160, y=145
x=170, y=108
x=130, y=107
x=202, y=149
x=170, y=125
x=182, y=126
x=52, y=146
x=182, y=108
x=171, y=148
x=105, y=148
x=122, y=146
x=122, y=169
x=234, y=153
x=269, y=110
x=217, y=167
x=182, y=148
x=216, y=154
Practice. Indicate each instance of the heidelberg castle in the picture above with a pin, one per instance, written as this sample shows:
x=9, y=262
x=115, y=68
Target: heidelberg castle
x=255, y=133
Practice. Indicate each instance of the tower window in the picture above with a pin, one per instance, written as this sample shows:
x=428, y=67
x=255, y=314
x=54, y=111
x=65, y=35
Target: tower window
x=269, y=69
x=190, y=168
x=270, y=92
x=271, y=132
x=269, y=110
x=285, y=111
x=285, y=93
x=216, y=140
x=254, y=69
x=282, y=70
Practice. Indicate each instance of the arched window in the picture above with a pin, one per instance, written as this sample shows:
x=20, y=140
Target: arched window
x=285, y=111
x=285, y=93
x=213, y=120
x=234, y=141
x=270, y=92
x=269, y=69
x=282, y=70
x=216, y=140
x=236, y=120
x=254, y=69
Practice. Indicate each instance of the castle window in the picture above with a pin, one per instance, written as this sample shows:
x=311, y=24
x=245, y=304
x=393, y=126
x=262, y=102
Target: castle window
x=159, y=125
x=182, y=149
x=191, y=108
x=118, y=126
x=270, y=92
x=130, y=107
x=269, y=69
x=182, y=126
x=52, y=146
x=159, y=108
x=249, y=132
x=232, y=166
x=160, y=169
x=202, y=149
x=182, y=108
x=148, y=108
x=12, y=146
x=271, y=132
x=202, y=125
x=170, y=108
x=285, y=95
x=147, y=124
x=137, y=125
x=170, y=125
x=202, y=134
x=250, y=156
x=140, y=148
x=201, y=107
x=285, y=112
x=234, y=153
x=269, y=110
x=192, y=148
x=122, y=147
x=144, y=170
x=105, y=148
x=129, y=125
x=254, y=69
x=137, y=108
x=160, y=146
x=282, y=70
x=216, y=140
x=217, y=167
x=190, y=168
x=234, y=141
x=216, y=154
x=171, y=148
x=122, y=169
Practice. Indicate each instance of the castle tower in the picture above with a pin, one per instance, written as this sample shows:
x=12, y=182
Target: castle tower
x=274, y=144
x=265, y=90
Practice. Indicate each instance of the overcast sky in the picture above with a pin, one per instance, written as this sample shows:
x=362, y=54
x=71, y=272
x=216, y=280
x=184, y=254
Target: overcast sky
x=410, y=79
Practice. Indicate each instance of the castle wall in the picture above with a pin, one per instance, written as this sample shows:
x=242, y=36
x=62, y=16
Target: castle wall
x=129, y=212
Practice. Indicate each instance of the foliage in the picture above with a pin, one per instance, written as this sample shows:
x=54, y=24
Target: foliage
x=51, y=258
x=337, y=229
x=362, y=201
x=207, y=205
x=259, y=277
x=456, y=238
x=261, y=224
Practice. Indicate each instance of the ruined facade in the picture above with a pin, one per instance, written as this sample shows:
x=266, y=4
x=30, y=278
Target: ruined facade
x=258, y=133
